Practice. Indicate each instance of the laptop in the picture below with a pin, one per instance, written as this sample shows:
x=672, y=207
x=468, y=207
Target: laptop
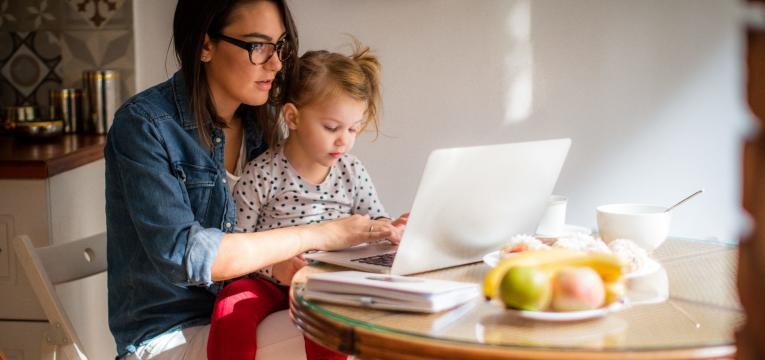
x=469, y=202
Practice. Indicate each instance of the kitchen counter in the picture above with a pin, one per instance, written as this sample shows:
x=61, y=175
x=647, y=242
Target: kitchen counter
x=41, y=159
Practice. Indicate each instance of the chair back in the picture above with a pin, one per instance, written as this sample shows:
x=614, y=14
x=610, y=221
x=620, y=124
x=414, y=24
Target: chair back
x=57, y=264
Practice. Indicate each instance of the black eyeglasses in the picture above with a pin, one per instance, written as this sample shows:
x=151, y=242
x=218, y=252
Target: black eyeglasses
x=260, y=52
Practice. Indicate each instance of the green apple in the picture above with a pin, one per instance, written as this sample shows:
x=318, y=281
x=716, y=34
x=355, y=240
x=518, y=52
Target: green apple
x=526, y=288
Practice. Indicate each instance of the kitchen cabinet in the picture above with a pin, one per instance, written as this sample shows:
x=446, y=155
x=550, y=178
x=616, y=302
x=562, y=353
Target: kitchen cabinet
x=54, y=192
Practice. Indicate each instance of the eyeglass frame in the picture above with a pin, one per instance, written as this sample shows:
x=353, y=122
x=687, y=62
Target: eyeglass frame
x=251, y=45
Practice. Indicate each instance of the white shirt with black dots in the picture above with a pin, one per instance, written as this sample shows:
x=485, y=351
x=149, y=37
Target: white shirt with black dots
x=270, y=194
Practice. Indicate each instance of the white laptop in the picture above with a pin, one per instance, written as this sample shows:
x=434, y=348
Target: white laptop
x=469, y=202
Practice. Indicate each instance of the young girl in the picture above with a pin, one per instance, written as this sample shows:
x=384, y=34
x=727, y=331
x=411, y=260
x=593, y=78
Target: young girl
x=309, y=178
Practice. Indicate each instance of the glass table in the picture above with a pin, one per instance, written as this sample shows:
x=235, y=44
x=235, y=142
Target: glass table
x=698, y=320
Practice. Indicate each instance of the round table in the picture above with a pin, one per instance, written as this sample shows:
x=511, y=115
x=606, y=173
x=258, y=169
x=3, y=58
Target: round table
x=697, y=321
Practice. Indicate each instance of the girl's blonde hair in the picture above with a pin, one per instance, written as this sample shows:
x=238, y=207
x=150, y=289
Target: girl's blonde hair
x=322, y=74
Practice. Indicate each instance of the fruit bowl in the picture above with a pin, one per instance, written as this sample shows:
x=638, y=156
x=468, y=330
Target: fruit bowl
x=568, y=285
x=560, y=316
x=550, y=282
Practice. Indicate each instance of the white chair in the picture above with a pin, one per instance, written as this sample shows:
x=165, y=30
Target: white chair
x=57, y=264
x=48, y=266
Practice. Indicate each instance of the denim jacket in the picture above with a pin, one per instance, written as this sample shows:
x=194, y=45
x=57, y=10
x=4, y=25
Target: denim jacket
x=167, y=207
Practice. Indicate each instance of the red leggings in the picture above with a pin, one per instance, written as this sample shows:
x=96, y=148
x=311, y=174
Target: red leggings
x=239, y=308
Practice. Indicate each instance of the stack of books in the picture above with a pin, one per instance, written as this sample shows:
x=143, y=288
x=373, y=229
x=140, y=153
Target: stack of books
x=390, y=292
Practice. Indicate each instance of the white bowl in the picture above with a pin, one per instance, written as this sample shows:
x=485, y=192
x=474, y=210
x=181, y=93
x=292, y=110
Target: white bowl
x=646, y=225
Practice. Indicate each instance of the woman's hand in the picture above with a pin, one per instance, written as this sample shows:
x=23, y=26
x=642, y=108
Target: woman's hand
x=285, y=270
x=355, y=229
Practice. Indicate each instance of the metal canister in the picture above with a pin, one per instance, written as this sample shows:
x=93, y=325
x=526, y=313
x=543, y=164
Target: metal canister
x=66, y=105
x=103, y=93
x=21, y=113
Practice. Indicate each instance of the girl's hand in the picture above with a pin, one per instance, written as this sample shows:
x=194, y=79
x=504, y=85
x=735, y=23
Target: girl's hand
x=285, y=270
x=355, y=229
x=400, y=223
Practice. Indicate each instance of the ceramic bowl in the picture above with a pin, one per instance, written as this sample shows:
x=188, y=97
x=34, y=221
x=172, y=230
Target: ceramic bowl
x=39, y=129
x=646, y=225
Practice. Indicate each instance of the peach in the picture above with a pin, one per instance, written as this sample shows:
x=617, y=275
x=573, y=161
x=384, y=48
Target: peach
x=577, y=288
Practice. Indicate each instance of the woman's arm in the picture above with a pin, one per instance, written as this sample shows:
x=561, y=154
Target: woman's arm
x=147, y=203
x=243, y=253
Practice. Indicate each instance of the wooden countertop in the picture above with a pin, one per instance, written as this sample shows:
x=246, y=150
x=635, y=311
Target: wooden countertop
x=41, y=159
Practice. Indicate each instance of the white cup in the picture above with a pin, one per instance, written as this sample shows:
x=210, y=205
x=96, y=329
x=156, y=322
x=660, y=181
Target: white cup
x=554, y=217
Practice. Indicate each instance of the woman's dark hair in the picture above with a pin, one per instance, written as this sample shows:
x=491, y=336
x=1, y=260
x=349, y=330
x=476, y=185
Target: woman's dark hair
x=192, y=21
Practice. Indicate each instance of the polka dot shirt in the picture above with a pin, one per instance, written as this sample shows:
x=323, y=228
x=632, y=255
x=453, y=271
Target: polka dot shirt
x=270, y=194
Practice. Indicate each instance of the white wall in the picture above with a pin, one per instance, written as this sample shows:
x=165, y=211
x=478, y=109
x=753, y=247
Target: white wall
x=154, y=54
x=650, y=92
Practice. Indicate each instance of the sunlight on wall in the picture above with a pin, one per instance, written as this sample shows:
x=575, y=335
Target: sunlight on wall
x=519, y=64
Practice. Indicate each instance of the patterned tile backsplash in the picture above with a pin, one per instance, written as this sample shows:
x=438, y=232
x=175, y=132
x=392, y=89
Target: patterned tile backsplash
x=32, y=66
x=47, y=44
x=96, y=13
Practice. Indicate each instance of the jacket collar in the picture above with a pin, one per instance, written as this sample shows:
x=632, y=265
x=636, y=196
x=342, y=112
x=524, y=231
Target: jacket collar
x=182, y=103
x=254, y=137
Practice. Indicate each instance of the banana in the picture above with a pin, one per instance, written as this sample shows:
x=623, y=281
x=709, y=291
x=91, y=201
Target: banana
x=615, y=291
x=608, y=266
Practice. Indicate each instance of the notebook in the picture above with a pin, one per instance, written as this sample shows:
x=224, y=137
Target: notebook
x=391, y=292
x=470, y=200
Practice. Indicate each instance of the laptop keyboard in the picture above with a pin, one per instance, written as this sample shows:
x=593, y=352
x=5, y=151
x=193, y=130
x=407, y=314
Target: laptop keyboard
x=381, y=260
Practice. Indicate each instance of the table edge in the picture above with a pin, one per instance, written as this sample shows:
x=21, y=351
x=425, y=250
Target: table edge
x=365, y=342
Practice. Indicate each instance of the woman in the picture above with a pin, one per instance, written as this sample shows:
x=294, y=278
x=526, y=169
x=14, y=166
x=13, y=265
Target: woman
x=172, y=155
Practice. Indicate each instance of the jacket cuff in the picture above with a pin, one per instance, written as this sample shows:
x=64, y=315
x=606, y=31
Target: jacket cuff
x=201, y=251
